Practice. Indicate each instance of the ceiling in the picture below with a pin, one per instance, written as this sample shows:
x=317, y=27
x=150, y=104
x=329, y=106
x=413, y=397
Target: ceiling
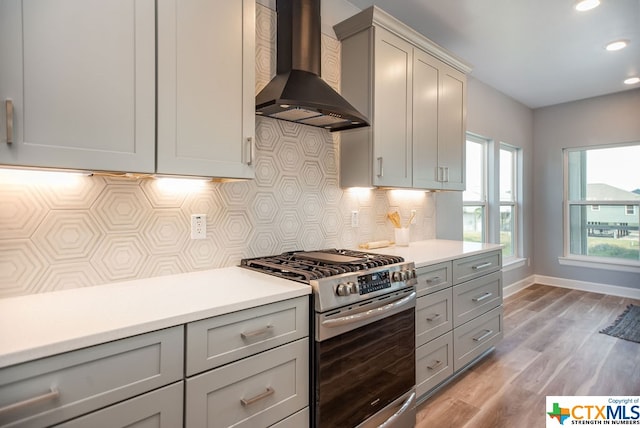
x=540, y=52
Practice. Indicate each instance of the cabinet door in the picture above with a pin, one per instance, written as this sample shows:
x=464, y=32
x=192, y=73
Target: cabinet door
x=158, y=409
x=451, y=127
x=206, y=87
x=392, y=112
x=425, y=120
x=81, y=77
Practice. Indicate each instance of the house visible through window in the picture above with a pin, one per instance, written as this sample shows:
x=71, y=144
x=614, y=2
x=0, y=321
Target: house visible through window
x=602, y=200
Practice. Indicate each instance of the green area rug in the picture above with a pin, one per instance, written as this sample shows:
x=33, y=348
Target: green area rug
x=627, y=326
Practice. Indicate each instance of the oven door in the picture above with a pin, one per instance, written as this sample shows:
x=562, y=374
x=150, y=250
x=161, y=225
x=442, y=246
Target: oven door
x=364, y=363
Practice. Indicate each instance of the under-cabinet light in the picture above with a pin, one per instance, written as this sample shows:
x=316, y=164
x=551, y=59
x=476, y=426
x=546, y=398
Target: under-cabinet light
x=617, y=45
x=585, y=5
x=632, y=80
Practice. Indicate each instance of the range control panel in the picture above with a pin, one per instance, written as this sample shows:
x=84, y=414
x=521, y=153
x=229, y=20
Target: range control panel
x=374, y=282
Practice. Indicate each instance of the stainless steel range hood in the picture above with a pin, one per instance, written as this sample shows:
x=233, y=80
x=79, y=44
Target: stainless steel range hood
x=297, y=93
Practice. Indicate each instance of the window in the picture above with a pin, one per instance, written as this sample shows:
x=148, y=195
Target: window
x=475, y=196
x=606, y=179
x=508, y=200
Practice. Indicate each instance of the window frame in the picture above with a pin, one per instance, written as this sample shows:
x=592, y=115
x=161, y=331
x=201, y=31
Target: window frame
x=581, y=260
x=514, y=202
x=484, y=204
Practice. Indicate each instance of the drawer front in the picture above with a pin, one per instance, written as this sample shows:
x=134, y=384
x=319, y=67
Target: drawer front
x=158, y=409
x=433, y=278
x=434, y=316
x=474, y=266
x=254, y=392
x=475, y=337
x=297, y=420
x=78, y=382
x=226, y=338
x=476, y=297
x=434, y=363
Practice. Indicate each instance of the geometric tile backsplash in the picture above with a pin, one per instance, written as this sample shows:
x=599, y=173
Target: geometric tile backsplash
x=78, y=231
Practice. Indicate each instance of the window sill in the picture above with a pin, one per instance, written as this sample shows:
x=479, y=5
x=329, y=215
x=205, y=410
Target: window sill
x=600, y=264
x=513, y=263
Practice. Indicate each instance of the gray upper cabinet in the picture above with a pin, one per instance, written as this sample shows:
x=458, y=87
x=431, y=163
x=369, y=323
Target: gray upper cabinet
x=80, y=76
x=414, y=94
x=80, y=79
x=206, y=87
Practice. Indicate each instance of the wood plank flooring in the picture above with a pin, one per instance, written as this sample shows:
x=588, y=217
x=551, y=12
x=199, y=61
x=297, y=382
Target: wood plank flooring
x=551, y=346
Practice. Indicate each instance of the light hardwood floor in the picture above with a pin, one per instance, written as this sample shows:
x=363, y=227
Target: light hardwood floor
x=551, y=346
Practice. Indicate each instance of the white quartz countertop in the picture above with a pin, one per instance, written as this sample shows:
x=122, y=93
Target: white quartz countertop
x=425, y=253
x=45, y=324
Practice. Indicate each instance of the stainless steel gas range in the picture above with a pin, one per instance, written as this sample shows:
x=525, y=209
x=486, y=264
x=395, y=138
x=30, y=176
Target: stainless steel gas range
x=363, y=355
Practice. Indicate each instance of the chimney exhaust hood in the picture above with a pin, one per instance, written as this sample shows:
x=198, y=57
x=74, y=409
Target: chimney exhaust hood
x=297, y=93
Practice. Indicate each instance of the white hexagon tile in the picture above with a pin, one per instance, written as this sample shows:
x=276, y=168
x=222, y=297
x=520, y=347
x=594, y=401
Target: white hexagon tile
x=93, y=230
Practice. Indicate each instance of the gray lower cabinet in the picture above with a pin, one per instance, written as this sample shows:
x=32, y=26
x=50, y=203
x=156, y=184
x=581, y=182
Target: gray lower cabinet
x=249, y=368
x=161, y=408
x=51, y=390
x=458, y=316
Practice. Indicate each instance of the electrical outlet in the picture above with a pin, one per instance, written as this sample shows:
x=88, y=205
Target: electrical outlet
x=355, y=218
x=198, y=226
x=413, y=216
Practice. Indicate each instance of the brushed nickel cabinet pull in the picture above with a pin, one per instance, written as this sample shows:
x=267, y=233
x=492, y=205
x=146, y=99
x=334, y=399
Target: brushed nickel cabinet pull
x=47, y=396
x=255, y=333
x=433, y=317
x=481, y=298
x=434, y=279
x=481, y=266
x=483, y=336
x=249, y=141
x=380, y=167
x=435, y=365
x=8, y=104
x=250, y=401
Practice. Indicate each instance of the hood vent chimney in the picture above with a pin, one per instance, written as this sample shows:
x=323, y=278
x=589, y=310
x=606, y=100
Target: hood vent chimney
x=297, y=93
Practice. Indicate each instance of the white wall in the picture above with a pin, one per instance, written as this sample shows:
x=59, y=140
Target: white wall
x=607, y=119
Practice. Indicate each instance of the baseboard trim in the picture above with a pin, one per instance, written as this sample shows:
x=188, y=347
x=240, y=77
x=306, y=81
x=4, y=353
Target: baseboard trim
x=518, y=286
x=594, y=287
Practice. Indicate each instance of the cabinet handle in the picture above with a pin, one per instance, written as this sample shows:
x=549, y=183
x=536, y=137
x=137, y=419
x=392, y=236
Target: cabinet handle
x=250, y=401
x=439, y=174
x=481, y=298
x=53, y=394
x=446, y=174
x=433, y=317
x=255, y=333
x=380, y=168
x=250, y=143
x=9, y=112
x=482, y=266
x=432, y=280
x=435, y=365
x=483, y=336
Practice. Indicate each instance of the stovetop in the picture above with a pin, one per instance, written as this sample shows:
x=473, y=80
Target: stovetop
x=305, y=266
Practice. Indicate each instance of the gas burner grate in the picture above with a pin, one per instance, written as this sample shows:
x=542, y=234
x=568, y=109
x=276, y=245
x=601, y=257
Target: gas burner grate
x=306, y=266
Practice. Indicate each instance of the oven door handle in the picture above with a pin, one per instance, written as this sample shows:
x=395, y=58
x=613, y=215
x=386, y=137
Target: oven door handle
x=405, y=406
x=370, y=313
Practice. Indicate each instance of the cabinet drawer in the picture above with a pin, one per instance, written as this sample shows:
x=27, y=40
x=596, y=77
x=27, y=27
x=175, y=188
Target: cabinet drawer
x=434, y=316
x=226, y=338
x=78, y=382
x=474, y=266
x=475, y=337
x=254, y=392
x=434, y=363
x=476, y=297
x=433, y=278
x=158, y=409
x=297, y=420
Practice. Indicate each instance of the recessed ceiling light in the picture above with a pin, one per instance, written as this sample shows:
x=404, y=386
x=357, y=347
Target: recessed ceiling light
x=632, y=80
x=583, y=5
x=617, y=45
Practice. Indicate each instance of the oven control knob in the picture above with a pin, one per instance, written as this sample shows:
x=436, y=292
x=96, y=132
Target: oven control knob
x=353, y=288
x=413, y=274
x=343, y=289
x=397, y=276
